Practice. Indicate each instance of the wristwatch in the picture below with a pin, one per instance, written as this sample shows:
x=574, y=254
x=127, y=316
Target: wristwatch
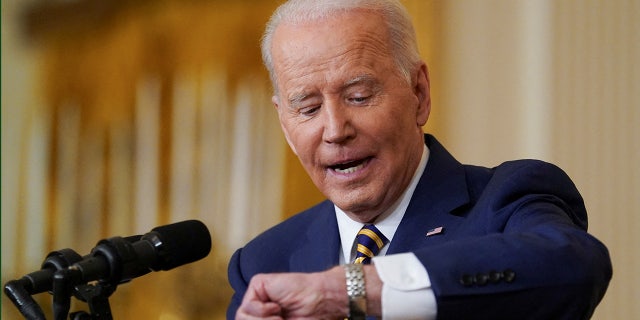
x=356, y=291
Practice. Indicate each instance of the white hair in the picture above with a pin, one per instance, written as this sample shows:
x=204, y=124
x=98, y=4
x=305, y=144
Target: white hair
x=396, y=18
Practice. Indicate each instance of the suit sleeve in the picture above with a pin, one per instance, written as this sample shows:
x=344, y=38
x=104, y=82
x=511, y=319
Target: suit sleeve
x=238, y=283
x=524, y=252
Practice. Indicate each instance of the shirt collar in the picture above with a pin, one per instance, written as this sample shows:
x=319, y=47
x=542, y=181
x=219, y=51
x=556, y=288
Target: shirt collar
x=387, y=222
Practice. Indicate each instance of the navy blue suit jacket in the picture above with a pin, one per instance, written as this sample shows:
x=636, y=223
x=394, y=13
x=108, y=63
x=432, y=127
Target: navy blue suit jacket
x=514, y=243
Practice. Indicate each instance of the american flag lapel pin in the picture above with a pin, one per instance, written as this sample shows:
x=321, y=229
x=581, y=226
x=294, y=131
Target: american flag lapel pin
x=435, y=231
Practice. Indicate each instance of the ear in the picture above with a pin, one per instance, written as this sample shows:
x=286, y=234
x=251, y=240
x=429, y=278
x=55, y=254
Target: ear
x=422, y=91
x=276, y=103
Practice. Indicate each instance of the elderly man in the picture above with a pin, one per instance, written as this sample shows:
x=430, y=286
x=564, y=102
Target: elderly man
x=450, y=241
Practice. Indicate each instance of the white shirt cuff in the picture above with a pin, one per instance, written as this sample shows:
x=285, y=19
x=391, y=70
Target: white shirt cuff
x=406, y=288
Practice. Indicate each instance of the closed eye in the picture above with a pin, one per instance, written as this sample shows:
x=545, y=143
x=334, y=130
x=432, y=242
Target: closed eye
x=309, y=111
x=359, y=100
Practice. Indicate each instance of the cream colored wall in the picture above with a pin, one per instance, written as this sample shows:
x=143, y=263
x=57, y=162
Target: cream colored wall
x=560, y=81
x=596, y=130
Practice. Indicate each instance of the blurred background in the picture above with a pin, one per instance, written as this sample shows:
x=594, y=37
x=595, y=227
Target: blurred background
x=122, y=115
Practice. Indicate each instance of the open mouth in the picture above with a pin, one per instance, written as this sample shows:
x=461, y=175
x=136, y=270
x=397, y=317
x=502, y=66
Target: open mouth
x=349, y=167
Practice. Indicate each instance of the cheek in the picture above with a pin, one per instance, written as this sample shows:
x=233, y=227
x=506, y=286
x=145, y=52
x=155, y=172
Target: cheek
x=303, y=139
x=393, y=135
x=391, y=124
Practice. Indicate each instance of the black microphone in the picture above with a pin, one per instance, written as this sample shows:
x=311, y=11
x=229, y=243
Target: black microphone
x=118, y=260
x=113, y=261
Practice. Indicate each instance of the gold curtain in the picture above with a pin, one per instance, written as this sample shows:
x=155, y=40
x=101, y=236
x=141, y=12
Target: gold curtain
x=114, y=74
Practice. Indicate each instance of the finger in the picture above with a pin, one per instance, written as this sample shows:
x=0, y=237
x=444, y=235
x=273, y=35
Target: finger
x=257, y=290
x=260, y=309
x=243, y=316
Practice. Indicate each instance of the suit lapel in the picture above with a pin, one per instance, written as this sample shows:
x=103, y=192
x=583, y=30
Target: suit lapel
x=441, y=190
x=321, y=249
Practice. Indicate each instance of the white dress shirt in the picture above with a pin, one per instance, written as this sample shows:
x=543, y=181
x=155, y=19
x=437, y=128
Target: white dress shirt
x=406, y=288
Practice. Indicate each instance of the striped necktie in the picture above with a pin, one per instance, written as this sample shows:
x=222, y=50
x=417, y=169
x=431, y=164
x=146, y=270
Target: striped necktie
x=370, y=240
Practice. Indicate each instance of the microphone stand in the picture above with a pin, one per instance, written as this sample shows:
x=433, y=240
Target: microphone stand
x=96, y=295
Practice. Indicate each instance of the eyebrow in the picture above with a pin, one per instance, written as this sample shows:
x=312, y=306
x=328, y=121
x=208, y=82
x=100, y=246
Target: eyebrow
x=297, y=98
x=363, y=78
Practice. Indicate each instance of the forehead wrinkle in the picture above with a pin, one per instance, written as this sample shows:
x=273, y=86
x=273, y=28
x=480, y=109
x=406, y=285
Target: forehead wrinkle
x=302, y=70
x=364, y=53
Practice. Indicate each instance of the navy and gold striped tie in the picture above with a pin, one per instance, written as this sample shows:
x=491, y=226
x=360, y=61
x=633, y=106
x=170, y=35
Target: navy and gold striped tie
x=370, y=240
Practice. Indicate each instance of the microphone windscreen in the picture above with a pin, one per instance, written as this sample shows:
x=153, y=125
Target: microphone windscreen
x=181, y=243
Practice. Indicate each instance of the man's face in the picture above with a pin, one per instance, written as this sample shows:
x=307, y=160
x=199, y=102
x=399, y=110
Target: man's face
x=347, y=112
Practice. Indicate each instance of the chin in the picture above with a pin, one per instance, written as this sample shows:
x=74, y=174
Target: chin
x=355, y=204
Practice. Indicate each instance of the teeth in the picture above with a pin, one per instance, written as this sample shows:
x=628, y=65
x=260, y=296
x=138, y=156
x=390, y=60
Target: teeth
x=350, y=170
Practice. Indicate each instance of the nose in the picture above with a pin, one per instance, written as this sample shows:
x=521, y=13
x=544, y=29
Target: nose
x=338, y=123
